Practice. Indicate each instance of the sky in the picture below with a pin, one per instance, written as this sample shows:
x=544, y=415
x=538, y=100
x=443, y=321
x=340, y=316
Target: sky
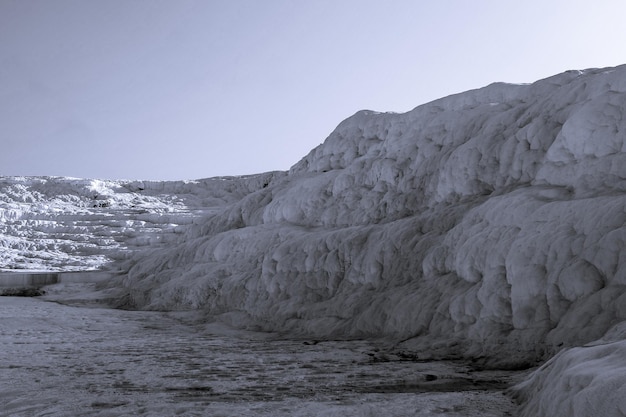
x=189, y=89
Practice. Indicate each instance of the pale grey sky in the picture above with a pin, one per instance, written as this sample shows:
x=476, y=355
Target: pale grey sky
x=185, y=89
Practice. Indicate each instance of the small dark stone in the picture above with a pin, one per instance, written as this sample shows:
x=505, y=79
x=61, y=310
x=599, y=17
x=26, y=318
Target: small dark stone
x=21, y=292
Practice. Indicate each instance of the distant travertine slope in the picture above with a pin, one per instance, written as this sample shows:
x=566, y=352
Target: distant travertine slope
x=489, y=225
x=71, y=224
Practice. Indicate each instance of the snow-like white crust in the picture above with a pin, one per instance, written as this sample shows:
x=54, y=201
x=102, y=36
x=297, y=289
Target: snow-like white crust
x=65, y=224
x=485, y=223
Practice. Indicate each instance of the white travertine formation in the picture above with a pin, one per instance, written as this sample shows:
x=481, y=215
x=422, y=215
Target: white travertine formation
x=489, y=224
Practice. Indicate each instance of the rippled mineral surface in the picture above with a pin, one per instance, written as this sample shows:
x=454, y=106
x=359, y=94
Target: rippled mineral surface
x=85, y=359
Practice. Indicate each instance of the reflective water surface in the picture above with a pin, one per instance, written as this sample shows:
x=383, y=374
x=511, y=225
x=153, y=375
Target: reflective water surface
x=64, y=360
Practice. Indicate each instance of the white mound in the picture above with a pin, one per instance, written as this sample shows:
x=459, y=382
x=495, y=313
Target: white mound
x=585, y=381
x=489, y=224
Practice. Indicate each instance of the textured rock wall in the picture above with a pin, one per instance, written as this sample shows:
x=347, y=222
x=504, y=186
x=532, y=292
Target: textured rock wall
x=488, y=223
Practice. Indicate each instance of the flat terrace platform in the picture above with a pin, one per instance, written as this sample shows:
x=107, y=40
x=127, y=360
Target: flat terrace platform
x=37, y=279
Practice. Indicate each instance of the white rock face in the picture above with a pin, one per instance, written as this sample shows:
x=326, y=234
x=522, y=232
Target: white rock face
x=485, y=223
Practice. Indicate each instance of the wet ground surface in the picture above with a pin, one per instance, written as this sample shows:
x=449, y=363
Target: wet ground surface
x=60, y=360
